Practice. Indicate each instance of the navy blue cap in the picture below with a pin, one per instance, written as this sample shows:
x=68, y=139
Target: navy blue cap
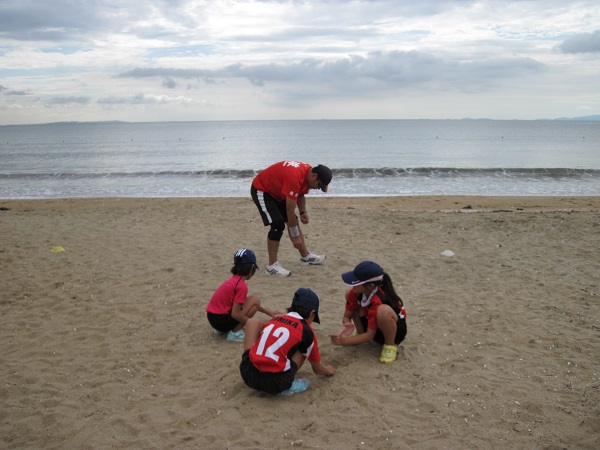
x=244, y=256
x=308, y=299
x=364, y=272
x=324, y=175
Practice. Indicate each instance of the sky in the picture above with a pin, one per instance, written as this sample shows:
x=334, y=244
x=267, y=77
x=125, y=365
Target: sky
x=190, y=60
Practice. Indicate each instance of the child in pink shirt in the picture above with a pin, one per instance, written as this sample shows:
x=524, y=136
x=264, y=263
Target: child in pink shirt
x=230, y=306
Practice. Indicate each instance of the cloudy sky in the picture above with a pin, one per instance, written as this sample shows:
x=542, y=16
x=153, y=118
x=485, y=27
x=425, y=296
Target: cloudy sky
x=170, y=60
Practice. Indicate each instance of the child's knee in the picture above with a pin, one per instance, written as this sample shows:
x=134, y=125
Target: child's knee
x=253, y=327
x=386, y=313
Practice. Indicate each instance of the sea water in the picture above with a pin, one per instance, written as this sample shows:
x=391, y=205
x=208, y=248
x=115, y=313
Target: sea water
x=368, y=157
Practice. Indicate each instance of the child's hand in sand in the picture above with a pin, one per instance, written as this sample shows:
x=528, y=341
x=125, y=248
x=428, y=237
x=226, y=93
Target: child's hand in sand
x=338, y=338
x=329, y=371
x=347, y=330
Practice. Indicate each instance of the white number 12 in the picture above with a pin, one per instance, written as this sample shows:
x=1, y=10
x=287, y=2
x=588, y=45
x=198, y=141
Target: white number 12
x=282, y=333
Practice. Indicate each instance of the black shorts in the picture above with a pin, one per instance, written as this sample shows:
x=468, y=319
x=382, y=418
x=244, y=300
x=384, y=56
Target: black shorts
x=400, y=331
x=271, y=210
x=222, y=322
x=271, y=383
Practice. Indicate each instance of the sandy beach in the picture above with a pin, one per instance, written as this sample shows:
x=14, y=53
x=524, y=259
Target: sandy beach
x=106, y=344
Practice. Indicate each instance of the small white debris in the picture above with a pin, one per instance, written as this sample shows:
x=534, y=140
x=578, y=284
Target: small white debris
x=448, y=253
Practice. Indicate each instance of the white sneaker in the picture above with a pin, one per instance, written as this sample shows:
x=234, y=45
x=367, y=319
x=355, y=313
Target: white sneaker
x=276, y=269
x=311, y=258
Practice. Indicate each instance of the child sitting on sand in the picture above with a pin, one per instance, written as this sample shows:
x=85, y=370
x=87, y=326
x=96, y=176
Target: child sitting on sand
x=373, y=306
x=230, y=307
x=274, y=352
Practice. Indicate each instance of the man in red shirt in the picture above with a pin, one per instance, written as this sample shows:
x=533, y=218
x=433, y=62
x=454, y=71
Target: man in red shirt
x=277, y=191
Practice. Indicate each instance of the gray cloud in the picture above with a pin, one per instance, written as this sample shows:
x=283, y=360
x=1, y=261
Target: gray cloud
x=310, y=56
x=17, y=93
x=66, y=20
x=128, y=100
x=165, y=72
x=139, y=99
x=30, y=20
x=382, y=69
x=169, y=83
x=13, y=92
x=582, y=43
x=68, y=101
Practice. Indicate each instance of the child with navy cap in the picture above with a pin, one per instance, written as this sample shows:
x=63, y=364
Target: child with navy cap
x=274, y=351
x=374, y=308
x=230, y=307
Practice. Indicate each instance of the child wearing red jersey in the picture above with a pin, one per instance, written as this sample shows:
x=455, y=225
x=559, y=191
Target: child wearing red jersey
x=274, y=352
x=374, y=308
x=230, y=307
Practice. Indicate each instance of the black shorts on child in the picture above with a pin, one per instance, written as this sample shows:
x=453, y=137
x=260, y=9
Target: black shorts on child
x=222, y=322
x=271, y=383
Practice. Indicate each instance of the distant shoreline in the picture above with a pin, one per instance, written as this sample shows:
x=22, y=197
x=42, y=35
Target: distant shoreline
x=591, y=118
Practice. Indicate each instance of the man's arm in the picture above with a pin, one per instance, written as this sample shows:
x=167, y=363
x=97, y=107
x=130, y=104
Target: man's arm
x=294, y=227
x=302, y=209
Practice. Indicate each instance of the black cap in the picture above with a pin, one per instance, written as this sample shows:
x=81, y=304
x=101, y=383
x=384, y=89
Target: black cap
x=324, y=175
x=308, y=299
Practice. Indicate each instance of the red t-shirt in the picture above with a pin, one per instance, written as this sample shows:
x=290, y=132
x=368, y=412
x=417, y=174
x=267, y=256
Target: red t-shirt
x=279, y=339
x=370, y=310
x=285, y=179
x=234, y=290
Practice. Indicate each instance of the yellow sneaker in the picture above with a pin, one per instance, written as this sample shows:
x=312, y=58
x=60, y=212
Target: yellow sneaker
x=388, y=354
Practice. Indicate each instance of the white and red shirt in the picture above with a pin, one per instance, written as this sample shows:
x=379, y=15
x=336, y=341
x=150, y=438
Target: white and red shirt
x=285, y=179
x=234, y=290
x=369, y=305
x=279, y=339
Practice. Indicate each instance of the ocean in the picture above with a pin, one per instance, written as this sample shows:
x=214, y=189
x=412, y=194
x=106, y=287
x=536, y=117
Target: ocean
x=367, y=157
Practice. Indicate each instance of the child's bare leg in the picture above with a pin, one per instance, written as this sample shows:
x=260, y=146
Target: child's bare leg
x=251, y=305
x=386, y=322
x=249, y=309
x=253, y=327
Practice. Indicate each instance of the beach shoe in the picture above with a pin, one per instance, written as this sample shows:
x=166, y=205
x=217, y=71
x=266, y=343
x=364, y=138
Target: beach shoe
x=299, y=385
x=278, y=270
x=219, y=333
x=311, y=258
x=236, y=336
x=388, y=354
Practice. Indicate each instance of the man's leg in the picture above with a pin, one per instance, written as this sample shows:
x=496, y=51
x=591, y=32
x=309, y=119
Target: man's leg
x=273, y=250
x=270, y=212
